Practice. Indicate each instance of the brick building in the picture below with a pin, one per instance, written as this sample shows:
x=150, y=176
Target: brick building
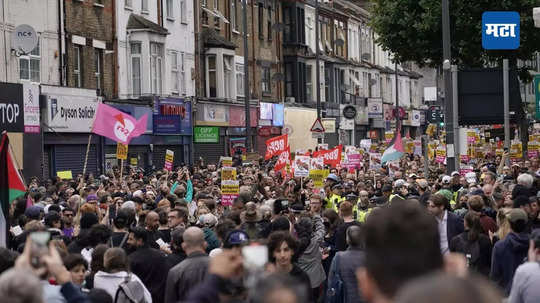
x=89, y=35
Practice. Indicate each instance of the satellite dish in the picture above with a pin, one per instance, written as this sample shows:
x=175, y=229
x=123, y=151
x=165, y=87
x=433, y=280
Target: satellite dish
x=24, y=39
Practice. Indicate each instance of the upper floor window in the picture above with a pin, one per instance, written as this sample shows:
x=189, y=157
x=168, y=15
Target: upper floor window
x=98, y=63
x=266, y=85
x=136, y=68
x=156, y=67
x=29, y=65
x=77, y=65
x=183, y=11
x=144, y=5
x=170, y=9
x=128, y=4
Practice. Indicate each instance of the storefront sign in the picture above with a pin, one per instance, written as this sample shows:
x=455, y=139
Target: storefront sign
x=11, y=107
x=172, y=117
x=206, y=134
x=375, y=108
x=415, y=118
x=329, y=125
x=70, y=113
x=264, y=131
x=169, y=157
x=31, y=108
x=121, y=151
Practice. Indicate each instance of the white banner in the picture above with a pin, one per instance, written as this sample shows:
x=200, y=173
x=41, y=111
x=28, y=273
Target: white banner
x=70, y=113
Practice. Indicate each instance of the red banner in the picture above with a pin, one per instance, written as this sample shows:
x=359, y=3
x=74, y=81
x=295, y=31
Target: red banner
x=331, y=157
x=276, y=146
x=283, y=159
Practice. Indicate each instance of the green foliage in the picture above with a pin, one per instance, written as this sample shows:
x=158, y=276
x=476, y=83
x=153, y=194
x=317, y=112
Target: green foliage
x=412, y=30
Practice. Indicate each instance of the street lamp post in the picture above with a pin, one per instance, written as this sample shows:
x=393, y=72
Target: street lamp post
x=447, y=75
x=249, y=146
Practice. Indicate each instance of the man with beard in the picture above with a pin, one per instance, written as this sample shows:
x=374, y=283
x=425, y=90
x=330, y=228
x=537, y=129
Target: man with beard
x=147, y=263
x=362, y=209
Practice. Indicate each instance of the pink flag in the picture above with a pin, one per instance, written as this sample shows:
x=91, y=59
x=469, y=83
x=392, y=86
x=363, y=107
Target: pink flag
x=116, y=125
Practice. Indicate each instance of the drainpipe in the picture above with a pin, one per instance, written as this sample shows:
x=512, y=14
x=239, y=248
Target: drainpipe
x=5, y=41
x=115, y=50
x=60, y=55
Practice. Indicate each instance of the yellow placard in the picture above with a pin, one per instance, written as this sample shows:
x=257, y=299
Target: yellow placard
x=226, y=161
x=121, y=151
x=499, y=152
x=133, y=161
x=169, y=156
x=230, y=187
x=318, y=176
x=516, y=150
x=66, y=174
x=228, y=173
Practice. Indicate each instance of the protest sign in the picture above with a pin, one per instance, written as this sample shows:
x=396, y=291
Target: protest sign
x=169, y=157
x=318, y=176
x=301, y=166
x=121, y=151
x=276, y=146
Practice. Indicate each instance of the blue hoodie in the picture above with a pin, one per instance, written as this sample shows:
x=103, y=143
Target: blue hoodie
x=508, y=254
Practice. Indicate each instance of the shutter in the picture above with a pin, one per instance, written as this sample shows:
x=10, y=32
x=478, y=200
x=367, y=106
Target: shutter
x=71, y=157
x=158, y=156
x=210, y=152
x=46, y=162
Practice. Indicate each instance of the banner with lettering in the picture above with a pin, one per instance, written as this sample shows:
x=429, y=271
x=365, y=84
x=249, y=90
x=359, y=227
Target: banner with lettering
x=331, y=157
x=276, y=146
x=283, y=159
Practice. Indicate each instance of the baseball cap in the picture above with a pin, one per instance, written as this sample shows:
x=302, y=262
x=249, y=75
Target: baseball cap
x=351, y=196
x=33, y=212
x=516, y=214
x=337, y=186
x=454, y=173
x=470, y=177
x=399, y=183
x=446, y=179
x=236, y=238
x=91, y=198
x=412, y=176
x=332, y=177
x=423, y=183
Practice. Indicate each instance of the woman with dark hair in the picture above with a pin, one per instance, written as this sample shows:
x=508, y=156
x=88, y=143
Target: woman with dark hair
x=474, y=244
x=96, y=264
x=331, y=221
x=310, y=233
x=283, y=252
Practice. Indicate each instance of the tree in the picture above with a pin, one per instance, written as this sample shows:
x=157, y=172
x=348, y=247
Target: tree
x=412, y=30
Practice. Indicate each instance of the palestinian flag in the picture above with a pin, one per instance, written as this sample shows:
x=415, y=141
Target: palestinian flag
x=11, y=185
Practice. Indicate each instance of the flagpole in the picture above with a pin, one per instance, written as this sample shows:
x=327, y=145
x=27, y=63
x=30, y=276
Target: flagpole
x=121, y=169
x=87, y=151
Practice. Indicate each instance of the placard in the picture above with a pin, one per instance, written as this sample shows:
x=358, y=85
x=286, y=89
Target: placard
x=318, y=176
x=169, y=157
x=301, y=166
x=228, y=173
x=121, y=151
x=65, y=175
x=226, y=161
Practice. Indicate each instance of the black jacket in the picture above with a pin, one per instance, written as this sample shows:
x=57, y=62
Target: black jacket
x=150, y=265
x=183, y=277
x=478, y=252
x=454, y=226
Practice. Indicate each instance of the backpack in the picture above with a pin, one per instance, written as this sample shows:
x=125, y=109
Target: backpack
x=471, y=251
x=336, y=290
x=129, y=292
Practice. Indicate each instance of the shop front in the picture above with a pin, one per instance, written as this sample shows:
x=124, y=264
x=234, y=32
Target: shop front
x=67, y=124
x=172, y=130
x=139, y=154
x=220, y=130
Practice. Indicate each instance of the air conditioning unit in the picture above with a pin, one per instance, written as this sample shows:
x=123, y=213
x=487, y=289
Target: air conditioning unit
x=289, y=99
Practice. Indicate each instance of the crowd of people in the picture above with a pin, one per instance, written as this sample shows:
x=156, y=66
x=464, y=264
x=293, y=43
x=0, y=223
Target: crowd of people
x=410, y=235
